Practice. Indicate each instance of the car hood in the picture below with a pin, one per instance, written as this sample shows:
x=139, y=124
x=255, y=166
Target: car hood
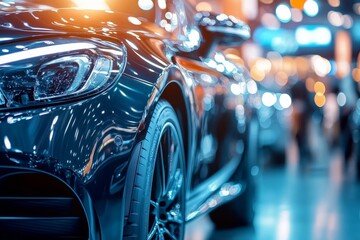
x=32, y=23
x=140, y=37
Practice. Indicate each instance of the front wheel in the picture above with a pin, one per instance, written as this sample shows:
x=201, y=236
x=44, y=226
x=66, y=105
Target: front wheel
x=157, y=202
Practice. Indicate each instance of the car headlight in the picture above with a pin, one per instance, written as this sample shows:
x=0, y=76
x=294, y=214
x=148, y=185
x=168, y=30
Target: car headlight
x=55, y=70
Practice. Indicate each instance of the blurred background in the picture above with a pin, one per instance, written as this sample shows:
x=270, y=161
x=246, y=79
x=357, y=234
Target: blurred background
x=304, y=55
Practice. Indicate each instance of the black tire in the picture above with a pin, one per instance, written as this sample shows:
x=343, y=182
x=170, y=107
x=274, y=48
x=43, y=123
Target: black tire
x=157, y=207
x=239, y=212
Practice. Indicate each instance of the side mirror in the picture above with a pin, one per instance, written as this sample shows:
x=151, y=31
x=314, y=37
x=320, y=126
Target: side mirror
x=220, y=29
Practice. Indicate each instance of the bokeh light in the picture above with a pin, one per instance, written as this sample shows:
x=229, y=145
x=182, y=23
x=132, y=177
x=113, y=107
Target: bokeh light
x=335, y=18
x=319, y=88
x=251, y=87
x=204, y=6
x=356, y=8
x=319, y=35
x=320, y=65
x=348, y=21
x=320, y=99
x=268, y=99
x=297, y=15
x=237, y=89
x=264, y=64
x=281, y=78
x=257, y=74
x=270, y=21
x=299, y=4
x=283, y=13
x=146, y=5
x=267, y=1
x=285, y=100
x=310, y=83
x=334, y=3
x=341, y=99
x=356, y=74
x=311, y=8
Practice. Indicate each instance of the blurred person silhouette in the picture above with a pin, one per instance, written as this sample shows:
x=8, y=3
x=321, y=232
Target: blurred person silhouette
x=355, y=126
x=301, y=120
x=347, y=93
x=345, y=142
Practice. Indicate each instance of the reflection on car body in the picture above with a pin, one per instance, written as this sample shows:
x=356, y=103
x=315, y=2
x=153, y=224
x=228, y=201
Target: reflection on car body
x=113, y=125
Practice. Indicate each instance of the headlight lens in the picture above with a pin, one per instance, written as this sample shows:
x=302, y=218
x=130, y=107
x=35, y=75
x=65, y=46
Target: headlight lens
x=37, y=72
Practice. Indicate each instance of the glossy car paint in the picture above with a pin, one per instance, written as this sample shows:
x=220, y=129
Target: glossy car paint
x=96, y=137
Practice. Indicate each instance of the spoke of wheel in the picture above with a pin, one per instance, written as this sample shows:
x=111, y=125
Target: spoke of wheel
x=174, y=185
x=176, y=217
x=173, y=157
x=153, y=230
x=169, y=233
x=161, y=236
x=176, y=155
x=169, y=141
x=174, y=221
x=154, y=204
x=167, y=185
x=162, y=173
x=175, y=160
x=157, y=185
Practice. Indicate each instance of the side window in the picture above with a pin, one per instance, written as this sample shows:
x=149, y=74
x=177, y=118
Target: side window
x=175, y=18
x=171, y=17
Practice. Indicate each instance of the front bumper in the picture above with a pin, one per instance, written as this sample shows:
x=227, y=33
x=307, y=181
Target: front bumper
x=35, y=204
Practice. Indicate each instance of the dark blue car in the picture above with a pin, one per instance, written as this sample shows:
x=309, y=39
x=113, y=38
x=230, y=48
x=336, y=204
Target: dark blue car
x=112, y=125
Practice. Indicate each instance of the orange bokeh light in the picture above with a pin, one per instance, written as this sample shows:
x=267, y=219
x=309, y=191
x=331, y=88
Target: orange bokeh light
x=281, y=78
x=257, y=74
x=310, y=82
x=356, y=74
x=299, y=4
x=320, y=99
x=319, y=87
x=204, y=6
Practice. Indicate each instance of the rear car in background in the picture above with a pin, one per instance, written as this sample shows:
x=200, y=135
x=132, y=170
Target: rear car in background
x=273, y=115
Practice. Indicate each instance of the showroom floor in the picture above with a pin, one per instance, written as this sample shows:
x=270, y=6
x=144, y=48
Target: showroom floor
x=319, y=202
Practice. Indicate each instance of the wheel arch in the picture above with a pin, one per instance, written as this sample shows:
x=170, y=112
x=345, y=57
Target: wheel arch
x=173, y=93
x=172, y=87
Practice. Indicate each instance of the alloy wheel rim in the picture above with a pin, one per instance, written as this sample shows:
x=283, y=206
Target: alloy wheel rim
x=166, y=218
